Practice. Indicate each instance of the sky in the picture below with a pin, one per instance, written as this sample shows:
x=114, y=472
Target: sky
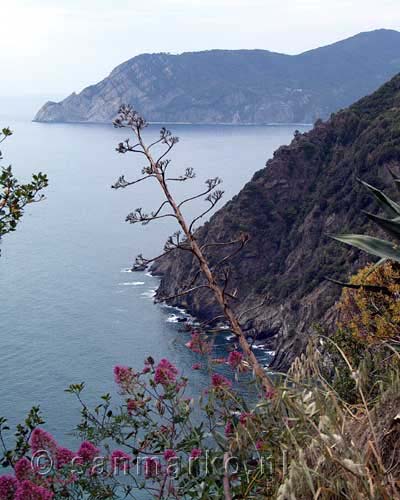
x=54, y=47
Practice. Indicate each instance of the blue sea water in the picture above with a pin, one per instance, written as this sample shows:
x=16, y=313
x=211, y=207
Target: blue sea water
x=69, y=310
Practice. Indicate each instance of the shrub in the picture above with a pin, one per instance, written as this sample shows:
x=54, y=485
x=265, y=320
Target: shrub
x=373, y=315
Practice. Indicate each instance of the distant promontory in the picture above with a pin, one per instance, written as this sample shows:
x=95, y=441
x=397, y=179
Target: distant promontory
x=238, y=86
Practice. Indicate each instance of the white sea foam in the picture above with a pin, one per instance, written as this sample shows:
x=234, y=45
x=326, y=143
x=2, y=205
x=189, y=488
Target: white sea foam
x=126, y=270
x=166, y=306
x=149, y=294
x=132, y=283
x=173, y=318
x=264, y=349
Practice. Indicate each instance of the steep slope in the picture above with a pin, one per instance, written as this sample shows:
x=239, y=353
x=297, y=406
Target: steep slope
x=239, y=86
x=308, y=189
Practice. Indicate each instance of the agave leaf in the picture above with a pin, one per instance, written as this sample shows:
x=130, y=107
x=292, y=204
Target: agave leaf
x=375, y=246
x=369, y=288
x=391, y=207
x=391, y=226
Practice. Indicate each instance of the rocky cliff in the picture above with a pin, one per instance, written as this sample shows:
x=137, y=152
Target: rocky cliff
x=307, y=190
x=240, y=86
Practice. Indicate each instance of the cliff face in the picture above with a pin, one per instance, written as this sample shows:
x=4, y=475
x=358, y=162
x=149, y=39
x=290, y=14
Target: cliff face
x=308, y=190
x=240, y=86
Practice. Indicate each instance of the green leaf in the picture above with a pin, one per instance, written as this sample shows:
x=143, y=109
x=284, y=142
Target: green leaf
x=375, y=246
x=390, y=206
x=6, y=131
x=391, y=226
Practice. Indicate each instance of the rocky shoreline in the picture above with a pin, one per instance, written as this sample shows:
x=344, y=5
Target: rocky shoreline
x=308, y=190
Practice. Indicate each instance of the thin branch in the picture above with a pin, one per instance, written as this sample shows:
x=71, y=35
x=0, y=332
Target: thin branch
x=223, y=244
x=122, y=183
x=264, y=301
x=211, y=321
x=165, y=153
x=212, y=184
x=184, y=292
x=139, y=217
x=213, y=199
x=193, y=281
x=243, y=241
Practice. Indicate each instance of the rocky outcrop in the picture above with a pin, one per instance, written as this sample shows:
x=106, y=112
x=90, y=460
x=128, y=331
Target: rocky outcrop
x=307, y=190
x=239, y=86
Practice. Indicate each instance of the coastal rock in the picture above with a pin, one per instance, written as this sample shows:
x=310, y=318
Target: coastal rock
x=308, y=190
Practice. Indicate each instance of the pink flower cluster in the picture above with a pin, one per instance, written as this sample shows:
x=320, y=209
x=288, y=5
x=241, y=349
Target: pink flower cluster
x=198, y=345
x=195, y=453
x=228, y=428
x=27, y=483
x=235, y=359
x=64, y=457
x=124, y=376
x=8, y=487
x=245, y=417
x=270, y=394
x=165, y=373
x=120, y=460
x=27, y=490
x=87, y=452
x=12, y=489
x=220, y=382
x=23, y=469
x=42, y=440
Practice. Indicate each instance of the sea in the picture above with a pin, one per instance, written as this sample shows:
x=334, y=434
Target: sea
x=70, y=309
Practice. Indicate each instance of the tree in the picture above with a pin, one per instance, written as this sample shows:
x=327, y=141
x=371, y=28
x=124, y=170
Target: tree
x=14, y=197
x=214, y=278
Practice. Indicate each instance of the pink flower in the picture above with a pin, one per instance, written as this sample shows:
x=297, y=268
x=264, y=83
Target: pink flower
x=165, y=373
x=228, y=429
x=123, y=376
x=169, y=454
x=8, y=486
x=30, y=491
x=151, y=467
x=23, y=469
x=270, y=394
x=197, y=344
x=42, y=440
x=120, y=460
x=87, y=452
x=195, y=453
x=260, y=445
x=64, y=457
x=196, y=366
x=220, y=382
x=235, y=359
x=244, y=417
x=134, y=405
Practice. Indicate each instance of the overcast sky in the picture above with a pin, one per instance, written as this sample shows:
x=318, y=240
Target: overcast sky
x=54, y=47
